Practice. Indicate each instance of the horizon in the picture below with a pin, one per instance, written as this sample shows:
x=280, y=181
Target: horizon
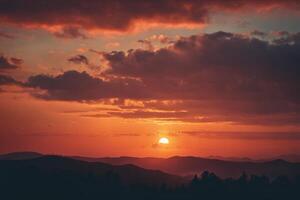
x=210, y=157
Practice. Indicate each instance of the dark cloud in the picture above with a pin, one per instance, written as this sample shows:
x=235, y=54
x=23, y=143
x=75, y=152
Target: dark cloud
x=79, y=59
x=80, y=86
x=71, y=32
x=7, y=80
x=221, y=77
x=204, y=78
x=288, y=38
x=221, y=64
x=120, y=14
x=7, y=64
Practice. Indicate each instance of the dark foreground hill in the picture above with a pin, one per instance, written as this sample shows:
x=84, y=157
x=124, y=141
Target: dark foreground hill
x=127, y=174
x=61, y=178
x=194, y=165
x=56, y=176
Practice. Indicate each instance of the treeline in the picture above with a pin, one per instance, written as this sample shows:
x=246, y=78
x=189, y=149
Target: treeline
x=68, y=185
x=209, y=186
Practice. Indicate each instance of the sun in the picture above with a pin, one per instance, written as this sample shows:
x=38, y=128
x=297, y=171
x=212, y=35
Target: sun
x=163, y=140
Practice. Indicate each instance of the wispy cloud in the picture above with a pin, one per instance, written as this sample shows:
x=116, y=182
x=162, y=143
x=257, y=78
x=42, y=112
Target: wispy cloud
x=244, y=135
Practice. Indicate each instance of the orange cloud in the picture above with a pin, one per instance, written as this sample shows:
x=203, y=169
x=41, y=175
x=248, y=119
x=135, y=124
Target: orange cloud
x=121, y=15
x=217, y=77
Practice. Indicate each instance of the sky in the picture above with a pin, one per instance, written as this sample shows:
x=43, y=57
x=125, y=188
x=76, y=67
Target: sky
x=111, y=77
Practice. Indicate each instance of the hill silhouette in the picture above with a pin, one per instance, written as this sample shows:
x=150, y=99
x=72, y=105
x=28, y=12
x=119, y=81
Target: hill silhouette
x=128, y=174
x=287, y=157
x=188, y=166
x=56, y=177
x=20, y=155
x=185, y=166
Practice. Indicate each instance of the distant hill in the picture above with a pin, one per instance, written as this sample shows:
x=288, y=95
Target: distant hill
x=185, y=166
x=20, y=155
x=239, y=159
x=128, y=174
x=289, y=157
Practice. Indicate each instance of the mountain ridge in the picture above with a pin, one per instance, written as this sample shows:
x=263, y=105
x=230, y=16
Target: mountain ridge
x=186, y=166
x=128, y=173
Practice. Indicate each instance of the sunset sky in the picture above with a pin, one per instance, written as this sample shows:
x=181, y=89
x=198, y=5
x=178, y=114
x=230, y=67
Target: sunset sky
x=111, y=77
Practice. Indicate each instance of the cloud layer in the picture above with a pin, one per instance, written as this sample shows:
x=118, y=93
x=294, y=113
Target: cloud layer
x=120, y=15
x=203, y=78
x=80, y=86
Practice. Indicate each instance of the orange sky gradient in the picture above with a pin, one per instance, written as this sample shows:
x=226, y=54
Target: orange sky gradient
x=214, y=78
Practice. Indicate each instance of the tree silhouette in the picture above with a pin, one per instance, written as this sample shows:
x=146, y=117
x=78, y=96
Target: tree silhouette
x=85, y=182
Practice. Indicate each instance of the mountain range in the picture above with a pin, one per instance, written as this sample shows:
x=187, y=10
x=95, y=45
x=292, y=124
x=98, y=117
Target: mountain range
x=128, y=174
x=178, y=165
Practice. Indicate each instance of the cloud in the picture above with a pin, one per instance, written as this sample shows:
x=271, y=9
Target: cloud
x=6, y=35
x=16, y=61
x=80, y=86
x=221, y=76
x=70, y=32
x=8, y=64
x=146, y=44
x=83, y=60
x=163, y=39
x=149, y=114
x=79, y=59
x=245, y=135
x=7, y=80
x=121, y=15
x=288, y=38
x=221, y=64
x=258, y=33
x=126, y=135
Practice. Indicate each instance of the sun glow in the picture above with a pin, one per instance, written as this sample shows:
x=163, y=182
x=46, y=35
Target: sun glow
x=163, y=140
